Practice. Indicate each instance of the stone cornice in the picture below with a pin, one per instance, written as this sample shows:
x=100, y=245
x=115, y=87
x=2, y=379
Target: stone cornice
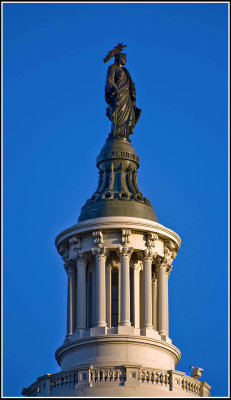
x=120, y=339
x=130, y=223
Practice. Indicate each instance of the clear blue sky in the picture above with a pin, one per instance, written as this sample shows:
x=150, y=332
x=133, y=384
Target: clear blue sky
x=54, y=127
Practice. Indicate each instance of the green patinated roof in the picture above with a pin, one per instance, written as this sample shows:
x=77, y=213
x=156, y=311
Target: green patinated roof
x=117, y=193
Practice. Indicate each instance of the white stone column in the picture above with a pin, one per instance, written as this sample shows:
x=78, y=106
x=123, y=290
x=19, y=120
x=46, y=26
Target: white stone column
x=154, y=302
x=161, y=296
x=81, y=292
x=167, y=314
x=70, y=267
x=167, y=306
x=170, y=253
x=147, y=289
x=136, y=298
x=125, y=255
x=108, y=295
x=100, y=257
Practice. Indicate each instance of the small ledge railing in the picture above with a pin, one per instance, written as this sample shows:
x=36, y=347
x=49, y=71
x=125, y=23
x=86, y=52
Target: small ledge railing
x=49, y=385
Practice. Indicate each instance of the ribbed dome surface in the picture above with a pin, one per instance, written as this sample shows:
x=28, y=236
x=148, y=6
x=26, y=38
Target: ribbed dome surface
x=117, y=193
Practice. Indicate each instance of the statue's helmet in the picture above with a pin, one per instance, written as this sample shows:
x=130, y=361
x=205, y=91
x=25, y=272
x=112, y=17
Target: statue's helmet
x=120, y=57
x=117, y=53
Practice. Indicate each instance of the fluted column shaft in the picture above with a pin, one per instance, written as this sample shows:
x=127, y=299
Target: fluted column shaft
x=154, y=303
x=161, y=297
x=81, y=292
x=136, y=297
x=108, y=296
x=147, y=290
x=167, y=313
x=100, y=257
x=125, y=255
x=70, y=267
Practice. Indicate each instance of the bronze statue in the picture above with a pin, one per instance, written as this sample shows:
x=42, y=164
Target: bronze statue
x=120, y=95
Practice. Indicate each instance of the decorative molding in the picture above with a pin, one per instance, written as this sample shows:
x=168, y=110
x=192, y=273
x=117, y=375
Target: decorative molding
x=151, y=239
x=75, y=241
x=64, y=252
x=125, y=239
x=131, y=223
x=111, y=178
x=169, y=253
x=118, y=182
x=98, y=238
x=169, y=244
x=103, y=178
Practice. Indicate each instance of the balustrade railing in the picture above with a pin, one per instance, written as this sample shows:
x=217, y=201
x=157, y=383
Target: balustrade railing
x=50, y=384
x=108, y=374
x=63, y=379
x=154, y=376
x=191, y=385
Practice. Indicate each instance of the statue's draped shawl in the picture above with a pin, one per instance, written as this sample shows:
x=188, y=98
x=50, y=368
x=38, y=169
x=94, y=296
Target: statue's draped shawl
x=122, y=110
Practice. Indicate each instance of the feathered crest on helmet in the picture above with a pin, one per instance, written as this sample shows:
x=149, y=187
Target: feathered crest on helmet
x=117, y=49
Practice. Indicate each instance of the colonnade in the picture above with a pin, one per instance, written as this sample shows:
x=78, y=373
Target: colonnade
x=154, y=290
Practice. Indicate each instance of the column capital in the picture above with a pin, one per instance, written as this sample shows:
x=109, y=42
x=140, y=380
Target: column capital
x=125, y=251
x=160, y=263
x=81, y=257
x=100, y=252
x=148, y=254
x=70, y=265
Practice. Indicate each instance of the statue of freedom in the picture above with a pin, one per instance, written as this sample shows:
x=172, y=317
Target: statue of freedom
x=120, y=95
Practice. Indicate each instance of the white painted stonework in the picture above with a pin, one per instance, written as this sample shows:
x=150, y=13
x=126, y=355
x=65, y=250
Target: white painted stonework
x=117, y=341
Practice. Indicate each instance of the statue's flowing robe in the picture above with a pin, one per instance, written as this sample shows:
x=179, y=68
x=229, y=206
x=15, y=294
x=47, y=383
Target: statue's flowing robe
x=122, y=111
